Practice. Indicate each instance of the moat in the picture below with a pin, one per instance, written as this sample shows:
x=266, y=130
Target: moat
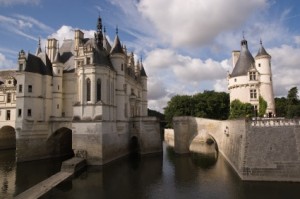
x=154, y=176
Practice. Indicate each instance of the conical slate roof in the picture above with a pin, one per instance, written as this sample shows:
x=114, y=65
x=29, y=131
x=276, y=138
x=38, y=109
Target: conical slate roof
x=244, y=62
x=143, y=72
x=117, y=47
x=262, y=51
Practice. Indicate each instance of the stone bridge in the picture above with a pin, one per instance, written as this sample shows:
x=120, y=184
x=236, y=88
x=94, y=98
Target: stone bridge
x=38, y=140
x=264, y=150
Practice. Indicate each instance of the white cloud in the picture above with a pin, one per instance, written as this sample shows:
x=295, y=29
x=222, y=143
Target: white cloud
x=16, y=2
x=172, y=73
x=193, y=22
x=6, y=63
x=23, y=25
x=27, y=20
x=285, y=68
x=67, y=32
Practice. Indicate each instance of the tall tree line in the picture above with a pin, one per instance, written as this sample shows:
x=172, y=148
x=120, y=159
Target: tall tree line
x=209, y=104
x=289, y=106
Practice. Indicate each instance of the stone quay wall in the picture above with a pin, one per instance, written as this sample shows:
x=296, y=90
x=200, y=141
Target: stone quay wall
x=262, y=150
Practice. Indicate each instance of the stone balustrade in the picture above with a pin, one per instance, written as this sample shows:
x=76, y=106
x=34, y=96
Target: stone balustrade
x=270, y=122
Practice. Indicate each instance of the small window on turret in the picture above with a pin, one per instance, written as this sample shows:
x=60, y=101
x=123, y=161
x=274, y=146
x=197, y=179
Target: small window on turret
x=234, y=79
x=122, y=67
x=88, y=60
x=259, y=65
x=21, y=67
x=29, y=112
x=58, y=71
x=20, y=88
x=29, y=88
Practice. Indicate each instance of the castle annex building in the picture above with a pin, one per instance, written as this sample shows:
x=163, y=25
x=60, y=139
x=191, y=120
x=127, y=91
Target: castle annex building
x=251, y=78
x=87, y=96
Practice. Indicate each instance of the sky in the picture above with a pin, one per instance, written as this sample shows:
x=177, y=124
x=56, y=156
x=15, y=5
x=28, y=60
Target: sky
x=185, y=45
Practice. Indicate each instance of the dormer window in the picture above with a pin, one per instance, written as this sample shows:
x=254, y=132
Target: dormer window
x=88, y=60
x=252, y=76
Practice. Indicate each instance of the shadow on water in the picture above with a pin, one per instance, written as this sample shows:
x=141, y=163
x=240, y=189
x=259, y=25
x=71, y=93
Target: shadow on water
x=204, y=161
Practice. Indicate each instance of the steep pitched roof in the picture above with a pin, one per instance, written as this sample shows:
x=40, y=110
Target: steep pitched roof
x=106, y=44
x=67, y=55
x=143, y=72
x=117, y=47
x=262, y=51
x=38, y=64
x=244, y=62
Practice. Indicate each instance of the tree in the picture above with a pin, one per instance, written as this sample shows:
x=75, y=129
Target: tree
x=240, y=110
x=178, y=106
x=209, y=104
x=281, y=106
x=262, y=106
x=292, y=96
x=293, y=105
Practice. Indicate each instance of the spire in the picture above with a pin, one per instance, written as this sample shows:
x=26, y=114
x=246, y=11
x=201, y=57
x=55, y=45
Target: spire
x=98, y=34
x=57, y=58
x=39, y=50
x=262, y=51
x=99, y=24
x=143, y=72
x=244, y=62
x=117, y=47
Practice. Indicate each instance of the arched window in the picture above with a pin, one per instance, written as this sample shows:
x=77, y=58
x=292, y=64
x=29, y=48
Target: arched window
x=98, y=89
x=88, y=89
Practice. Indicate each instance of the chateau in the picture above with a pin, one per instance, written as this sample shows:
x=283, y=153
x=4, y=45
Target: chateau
x=86, y=96
x=251, y=78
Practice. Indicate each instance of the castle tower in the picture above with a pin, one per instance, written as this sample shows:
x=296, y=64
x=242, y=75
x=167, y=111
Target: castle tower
x=57, y=88
x=144, y=102
x=238, y=82
x=263, y=66
x=252, y=78
x=118, y=57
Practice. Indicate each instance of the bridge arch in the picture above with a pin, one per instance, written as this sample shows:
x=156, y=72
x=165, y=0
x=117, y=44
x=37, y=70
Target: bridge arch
x=204, y=150
x=59, y=143
x=7, y=137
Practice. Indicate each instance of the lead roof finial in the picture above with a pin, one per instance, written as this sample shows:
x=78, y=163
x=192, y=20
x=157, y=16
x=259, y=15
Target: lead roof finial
x=117, y=30
x=39, y=50
x=99, y=24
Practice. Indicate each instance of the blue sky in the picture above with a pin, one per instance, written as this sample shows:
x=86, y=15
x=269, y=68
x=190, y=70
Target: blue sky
x=186, y=45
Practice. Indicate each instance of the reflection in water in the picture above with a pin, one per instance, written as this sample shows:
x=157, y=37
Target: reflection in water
x=205, y=161
x=158, y=176
x=7, y=172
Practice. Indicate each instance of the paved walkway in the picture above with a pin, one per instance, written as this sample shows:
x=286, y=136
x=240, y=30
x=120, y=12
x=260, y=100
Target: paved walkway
x=43, y=187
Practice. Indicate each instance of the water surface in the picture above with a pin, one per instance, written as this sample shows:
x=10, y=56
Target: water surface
x=157, y=176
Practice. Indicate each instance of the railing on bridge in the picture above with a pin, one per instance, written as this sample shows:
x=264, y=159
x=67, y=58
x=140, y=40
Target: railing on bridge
x=269, y=122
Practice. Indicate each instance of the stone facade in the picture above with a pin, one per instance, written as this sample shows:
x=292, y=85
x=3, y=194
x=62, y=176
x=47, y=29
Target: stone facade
x=261, y=150
x=251, y=78
x=86, y=86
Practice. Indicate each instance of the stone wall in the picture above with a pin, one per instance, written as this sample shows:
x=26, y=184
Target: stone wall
x=257, y=150
x=272, y=151
x=105, y=141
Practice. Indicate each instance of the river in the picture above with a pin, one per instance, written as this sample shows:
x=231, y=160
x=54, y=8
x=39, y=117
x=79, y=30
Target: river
x=154, y=176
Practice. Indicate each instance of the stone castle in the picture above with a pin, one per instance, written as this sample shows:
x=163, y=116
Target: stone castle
x=260, y=149
x=87, y=96
x=251, y=78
